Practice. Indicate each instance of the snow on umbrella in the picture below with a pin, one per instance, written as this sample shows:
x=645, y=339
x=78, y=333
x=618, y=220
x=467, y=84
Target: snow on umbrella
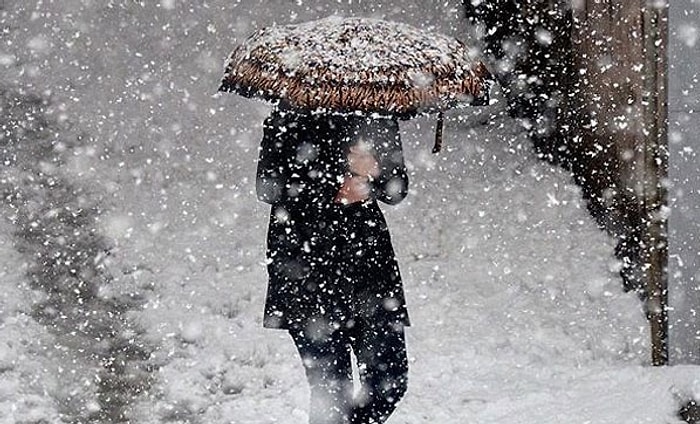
x=346, y=65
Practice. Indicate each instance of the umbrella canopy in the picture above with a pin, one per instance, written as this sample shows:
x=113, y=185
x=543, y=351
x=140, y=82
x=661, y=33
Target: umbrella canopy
x=357, y=64
x=349, y=64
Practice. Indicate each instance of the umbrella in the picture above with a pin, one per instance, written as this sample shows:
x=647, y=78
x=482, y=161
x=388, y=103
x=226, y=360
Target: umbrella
x=346, y=65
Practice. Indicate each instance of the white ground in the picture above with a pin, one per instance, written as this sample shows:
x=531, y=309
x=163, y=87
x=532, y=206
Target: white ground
x=518, y=314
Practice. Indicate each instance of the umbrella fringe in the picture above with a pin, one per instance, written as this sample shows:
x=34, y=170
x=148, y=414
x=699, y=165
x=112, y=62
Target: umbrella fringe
x=256, y=80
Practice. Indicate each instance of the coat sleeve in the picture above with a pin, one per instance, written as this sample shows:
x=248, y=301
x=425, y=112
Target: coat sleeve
x=391, y=186
x=293, y=171
x=271, y=177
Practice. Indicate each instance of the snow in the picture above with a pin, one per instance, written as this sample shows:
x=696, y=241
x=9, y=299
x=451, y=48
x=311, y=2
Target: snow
x=517, y=309
x=29, y=385
x=351, y=46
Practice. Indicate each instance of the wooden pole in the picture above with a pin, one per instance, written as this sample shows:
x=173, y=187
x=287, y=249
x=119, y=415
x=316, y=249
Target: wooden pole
x=655, y=106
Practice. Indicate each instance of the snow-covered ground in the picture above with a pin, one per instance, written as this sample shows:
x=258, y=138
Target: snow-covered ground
x=518, y=313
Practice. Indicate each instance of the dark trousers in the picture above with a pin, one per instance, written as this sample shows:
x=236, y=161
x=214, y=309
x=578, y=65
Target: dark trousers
x=380, y=349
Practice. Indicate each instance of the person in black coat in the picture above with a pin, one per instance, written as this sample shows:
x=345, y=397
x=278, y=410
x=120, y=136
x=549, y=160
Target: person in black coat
x=334, y=281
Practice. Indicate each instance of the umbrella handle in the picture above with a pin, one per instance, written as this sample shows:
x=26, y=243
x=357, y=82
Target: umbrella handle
x=438, y=134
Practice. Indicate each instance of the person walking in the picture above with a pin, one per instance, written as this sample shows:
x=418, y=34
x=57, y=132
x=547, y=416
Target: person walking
x=330, y=151
x=334, y=281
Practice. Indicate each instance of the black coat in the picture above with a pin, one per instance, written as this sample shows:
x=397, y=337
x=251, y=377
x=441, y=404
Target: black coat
x=328, y=262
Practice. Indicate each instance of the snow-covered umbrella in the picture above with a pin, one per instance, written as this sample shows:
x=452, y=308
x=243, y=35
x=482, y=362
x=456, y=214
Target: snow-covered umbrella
x=346, y=65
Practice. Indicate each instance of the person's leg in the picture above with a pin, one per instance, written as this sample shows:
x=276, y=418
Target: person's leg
x=326, y=360
x=380, y=349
